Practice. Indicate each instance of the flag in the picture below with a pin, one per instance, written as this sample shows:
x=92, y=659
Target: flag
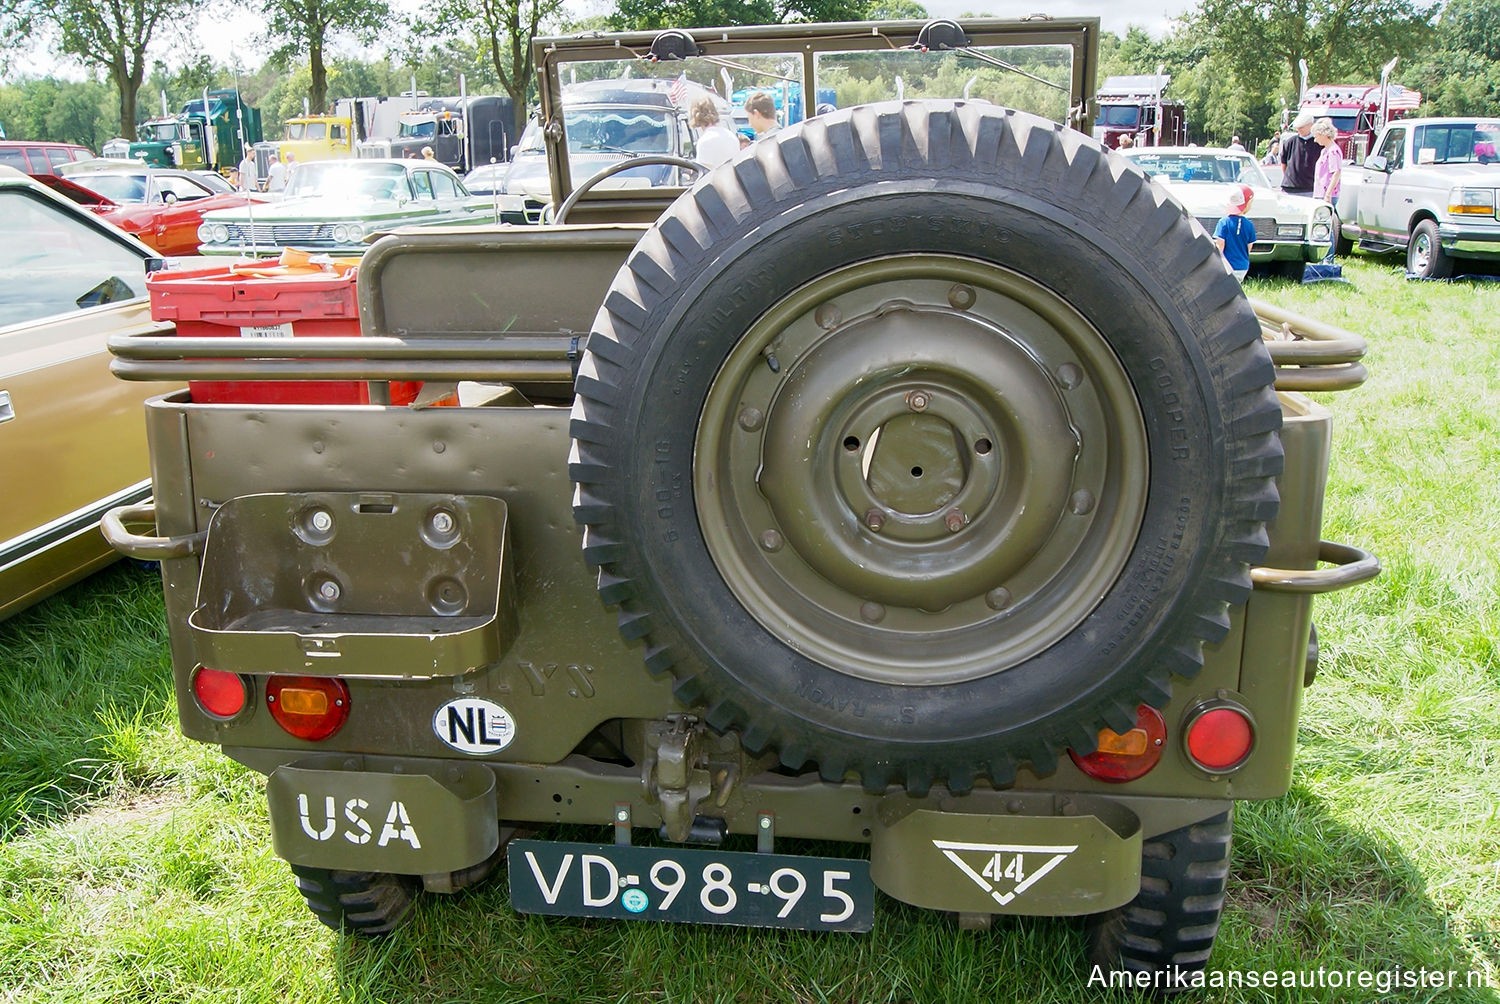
x=1402, y=99
x=679, y=89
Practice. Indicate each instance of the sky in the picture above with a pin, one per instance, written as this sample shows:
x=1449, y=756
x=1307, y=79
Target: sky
x=220, y=36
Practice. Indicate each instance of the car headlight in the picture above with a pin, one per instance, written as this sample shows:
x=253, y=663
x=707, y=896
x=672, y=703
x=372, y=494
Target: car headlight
x=1323, y=214
x=206, y=233
x=1471, y=202
x=340, y=233
x=221, y=234
x=356, y=233
x=1321, y=232
x=1292, y=230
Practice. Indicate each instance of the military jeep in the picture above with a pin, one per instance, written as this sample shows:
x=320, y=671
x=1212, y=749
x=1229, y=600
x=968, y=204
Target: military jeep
x=919, y=479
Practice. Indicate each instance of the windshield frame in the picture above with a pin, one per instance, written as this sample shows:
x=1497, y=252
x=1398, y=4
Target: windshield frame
x=806, y=41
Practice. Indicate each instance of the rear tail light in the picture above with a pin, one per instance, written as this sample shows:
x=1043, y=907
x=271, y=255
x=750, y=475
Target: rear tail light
x=1125, y=757
x=1219, y=737
x=221, y=694
x=308, y=707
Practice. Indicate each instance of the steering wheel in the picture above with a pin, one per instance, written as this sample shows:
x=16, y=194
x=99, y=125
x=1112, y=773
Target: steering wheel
x=646, y=160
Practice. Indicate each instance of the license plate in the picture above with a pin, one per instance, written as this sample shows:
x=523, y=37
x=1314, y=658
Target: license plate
x=691, y=886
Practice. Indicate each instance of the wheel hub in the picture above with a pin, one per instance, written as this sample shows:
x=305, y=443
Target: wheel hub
x=920, y=469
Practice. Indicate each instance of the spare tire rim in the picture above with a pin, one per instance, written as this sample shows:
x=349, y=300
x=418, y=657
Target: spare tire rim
x=920, y=469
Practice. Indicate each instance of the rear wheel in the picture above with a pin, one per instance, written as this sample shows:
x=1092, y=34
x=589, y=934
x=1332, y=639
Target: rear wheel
x=369, y=903
x=1170, y=926
x=924, y=441
x=1425, y=256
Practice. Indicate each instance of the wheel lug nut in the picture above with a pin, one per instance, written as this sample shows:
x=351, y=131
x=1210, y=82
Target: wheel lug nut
x=918, y=400
x=875, y=519
x=329, y=590
x=956, y=521
x=442, y=523
x=961, y=296
x=751, y=419
x=997, y=598
x=322, y=521
x=770, y=540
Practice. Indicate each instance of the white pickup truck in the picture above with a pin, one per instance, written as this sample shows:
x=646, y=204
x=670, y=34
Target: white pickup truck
x=1430, y=188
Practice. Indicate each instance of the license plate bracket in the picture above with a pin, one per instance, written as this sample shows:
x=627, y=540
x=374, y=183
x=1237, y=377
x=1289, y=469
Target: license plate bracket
x=690, y=886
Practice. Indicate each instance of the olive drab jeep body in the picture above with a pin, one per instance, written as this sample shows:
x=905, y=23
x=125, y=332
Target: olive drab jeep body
x=918, y=479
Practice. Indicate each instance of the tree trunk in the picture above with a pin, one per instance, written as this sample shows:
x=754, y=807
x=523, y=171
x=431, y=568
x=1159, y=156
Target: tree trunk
x=318, y=92
x=128, y=96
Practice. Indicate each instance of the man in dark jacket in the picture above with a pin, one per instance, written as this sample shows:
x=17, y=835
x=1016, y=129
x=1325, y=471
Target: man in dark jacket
x=1299, y=157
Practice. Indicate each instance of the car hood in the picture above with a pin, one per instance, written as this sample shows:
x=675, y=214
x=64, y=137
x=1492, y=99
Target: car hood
x=320, y=209
x=1477, y=175
x=1212, y=199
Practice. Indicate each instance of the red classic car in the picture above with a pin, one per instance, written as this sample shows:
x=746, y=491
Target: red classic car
x=161, y=208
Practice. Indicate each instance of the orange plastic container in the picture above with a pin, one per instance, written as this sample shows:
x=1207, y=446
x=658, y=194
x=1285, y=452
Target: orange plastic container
x=267, y=299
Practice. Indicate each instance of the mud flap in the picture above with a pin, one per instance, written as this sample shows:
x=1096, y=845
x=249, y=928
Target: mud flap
x=406, y=817
x=1042, y=854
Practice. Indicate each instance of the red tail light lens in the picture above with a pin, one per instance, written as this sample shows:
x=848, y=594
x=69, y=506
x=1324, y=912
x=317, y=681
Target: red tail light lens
x=1126, y=757
x=1220, y=739
x=308, y=707
x=219, y=693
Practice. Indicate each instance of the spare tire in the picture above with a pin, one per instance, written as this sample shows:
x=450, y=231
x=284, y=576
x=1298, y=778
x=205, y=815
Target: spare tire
x=923, y=440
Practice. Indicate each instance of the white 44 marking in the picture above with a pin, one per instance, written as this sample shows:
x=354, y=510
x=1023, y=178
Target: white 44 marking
x=1006, y=870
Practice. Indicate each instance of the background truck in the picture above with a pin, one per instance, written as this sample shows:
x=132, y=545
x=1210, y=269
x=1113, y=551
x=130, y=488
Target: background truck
x=205, y=135
x=1136, y=106
x=1429, y=188
x=463, y=132
x=880, y=488
x=1358, y=111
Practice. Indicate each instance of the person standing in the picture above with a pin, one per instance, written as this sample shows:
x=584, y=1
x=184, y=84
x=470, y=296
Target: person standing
x=760, y=108
x=276, y=175
x=715, y=143
x=1236, y=145
x=427, y=153
x=248, y=181
x=1299, y=157
x=1329, y=169
x=1235, y=233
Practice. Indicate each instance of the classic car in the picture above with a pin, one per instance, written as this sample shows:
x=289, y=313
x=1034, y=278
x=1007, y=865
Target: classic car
x=70, y=434
x=1292, y=230
x=333, y=205
x=167, y=220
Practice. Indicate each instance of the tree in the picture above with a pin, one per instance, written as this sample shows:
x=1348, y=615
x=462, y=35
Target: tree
x=647, y=15
x=895, y=10
x=113, y=35
x=504, y=29
x=1353, y=37
x=299, y=27
x=1461, y=76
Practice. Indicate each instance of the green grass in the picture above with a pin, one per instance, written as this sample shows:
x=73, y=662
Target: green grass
x=137, y=866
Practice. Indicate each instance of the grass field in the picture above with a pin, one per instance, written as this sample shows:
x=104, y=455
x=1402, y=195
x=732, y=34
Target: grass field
x=136, y=866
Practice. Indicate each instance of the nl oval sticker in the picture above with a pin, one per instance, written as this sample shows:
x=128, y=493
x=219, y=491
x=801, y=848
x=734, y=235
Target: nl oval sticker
x=474, y=725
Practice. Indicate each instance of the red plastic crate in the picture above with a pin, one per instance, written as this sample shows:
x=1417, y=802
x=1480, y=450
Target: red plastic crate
x=266, y=299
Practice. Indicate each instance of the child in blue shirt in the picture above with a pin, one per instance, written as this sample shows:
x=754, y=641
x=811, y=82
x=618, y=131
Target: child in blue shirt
x=1234, y=233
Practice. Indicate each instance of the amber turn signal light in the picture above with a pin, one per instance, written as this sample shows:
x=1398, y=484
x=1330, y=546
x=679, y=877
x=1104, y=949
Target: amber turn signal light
x=308, y=707
x=1125, y=757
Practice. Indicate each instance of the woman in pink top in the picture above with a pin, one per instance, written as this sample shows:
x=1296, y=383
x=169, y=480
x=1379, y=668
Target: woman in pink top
x=1330, y=163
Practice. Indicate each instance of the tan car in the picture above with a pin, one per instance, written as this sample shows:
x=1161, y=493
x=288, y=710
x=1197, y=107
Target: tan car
x=71, y=441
